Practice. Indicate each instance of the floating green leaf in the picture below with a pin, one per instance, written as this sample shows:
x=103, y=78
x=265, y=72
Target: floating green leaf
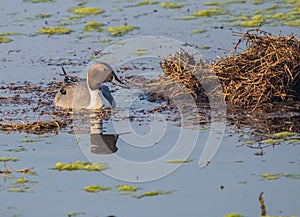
x=80, y=165
x=140, y=52
x=269, y=176
x=8, y=34
x=43, y=15
x=96, y=188
x=284, y=134
x=5, y=159
x=22, y=180
x=197, y=31
x=86, y=11
x=179, y=161
x=5, y=40
x=209, y=12
x=120, y=30
x=54, y=30
x=271, y=141
x=152, y=193
x=127, y=188
x=170, y=5
x=233, y=215
x=39, y=1
x=93, y=26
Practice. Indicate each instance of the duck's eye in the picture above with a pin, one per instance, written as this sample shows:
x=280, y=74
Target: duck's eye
x=63, y=91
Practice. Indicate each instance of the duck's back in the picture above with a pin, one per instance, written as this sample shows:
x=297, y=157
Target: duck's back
x=73, y=96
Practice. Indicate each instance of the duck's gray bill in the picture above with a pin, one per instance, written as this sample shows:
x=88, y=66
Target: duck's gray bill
x=117, y=81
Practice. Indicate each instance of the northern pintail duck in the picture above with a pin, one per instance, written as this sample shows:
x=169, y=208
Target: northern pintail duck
x=89, y=93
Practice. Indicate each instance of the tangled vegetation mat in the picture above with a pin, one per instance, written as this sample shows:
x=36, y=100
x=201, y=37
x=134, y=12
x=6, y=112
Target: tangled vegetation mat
x=260, y=79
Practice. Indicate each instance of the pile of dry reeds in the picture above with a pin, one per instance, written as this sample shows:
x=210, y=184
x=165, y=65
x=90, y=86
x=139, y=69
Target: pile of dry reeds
x=267, y=71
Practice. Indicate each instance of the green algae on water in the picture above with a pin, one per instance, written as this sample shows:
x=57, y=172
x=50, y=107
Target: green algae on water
x=127, y=188
x=151, y=194
x=70, y=214
x=143, y=3
x=178, y=161
x=209, y=12
x=269, y=176
x=255, y=21
x=93, y=26
x=22, y=180
x=5, y=40
x=292, y=23
x=39, y=1
x=6, y=159
x=43, y=16
x=170, y=5
x=96, y=188
x=140, y=52
x=79, y=165
x=120, y=30
x=271, y=141
x=284, y=134
x=189, y=17
x=198, y=31
x=86, y=11
x=233, y=215
x=8, y=34
x=54, y=30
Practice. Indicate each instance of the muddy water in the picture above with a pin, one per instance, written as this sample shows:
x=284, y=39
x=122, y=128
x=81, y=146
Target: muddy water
x=231, y=183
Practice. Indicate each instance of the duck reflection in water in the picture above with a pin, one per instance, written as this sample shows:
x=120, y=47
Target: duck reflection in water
x=102, y=143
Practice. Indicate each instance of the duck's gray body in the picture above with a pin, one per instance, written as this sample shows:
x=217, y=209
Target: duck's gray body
x=89, y=93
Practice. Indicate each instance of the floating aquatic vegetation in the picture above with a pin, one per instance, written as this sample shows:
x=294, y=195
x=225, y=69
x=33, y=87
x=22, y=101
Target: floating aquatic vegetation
x=257, y=2
x=151, y=194
x=105, y=40
x=197, y=31
x=8, y=34
x=96, y=188
x=86, y=11
x=20, y=149
x=43, y=16
x=39, y=1
x=71, y=214
x=179, y=161
x=255, y=21
x=5, y=40
x=233, y=215
x=217, y=3
x=210, y=12
x=54, y=30
x=292, y=23
x=142, y=3
x=272, y=141
x=29, y=140
x=277, y=175
x=127, y=188
x=22, y=180
x=93, y=26
x=120, y=30
x=264, y=73
x=203, y=47
x=35, y=127
x=140, y=52
x=269, y=176
x=170, y=5
x=284, y=134
x=79, y=165
x=6, y=159
x=189, y=17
